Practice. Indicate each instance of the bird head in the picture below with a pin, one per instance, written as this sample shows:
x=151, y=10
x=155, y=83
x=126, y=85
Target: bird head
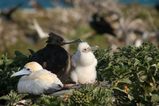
x=55, y=39
x=84, y=47
x=28, y=69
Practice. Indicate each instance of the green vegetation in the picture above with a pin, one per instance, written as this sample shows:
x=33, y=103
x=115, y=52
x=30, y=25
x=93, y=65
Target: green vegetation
x=133, y=70
x=127, y=77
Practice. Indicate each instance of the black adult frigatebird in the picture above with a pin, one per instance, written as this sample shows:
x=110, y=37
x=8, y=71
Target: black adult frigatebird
x=53, y=56
x=101, y=25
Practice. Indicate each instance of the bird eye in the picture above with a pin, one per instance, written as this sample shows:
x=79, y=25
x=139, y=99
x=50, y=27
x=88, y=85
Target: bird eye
x=84, y=50
x=28, y=69
x=59, y=86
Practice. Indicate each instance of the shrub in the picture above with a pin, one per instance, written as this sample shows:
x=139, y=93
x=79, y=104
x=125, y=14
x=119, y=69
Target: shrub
x=7, y=68
x=132, y=69
x=127, y=77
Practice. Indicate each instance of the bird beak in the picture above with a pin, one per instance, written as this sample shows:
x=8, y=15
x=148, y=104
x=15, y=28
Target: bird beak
x=94, y=48
x=21, y=72
x=75, y=41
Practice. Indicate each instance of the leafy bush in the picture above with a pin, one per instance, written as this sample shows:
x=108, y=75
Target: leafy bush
x=127, y=77
x=92, y=95
x=12, y=98
x=133, y=69
x=7, y=68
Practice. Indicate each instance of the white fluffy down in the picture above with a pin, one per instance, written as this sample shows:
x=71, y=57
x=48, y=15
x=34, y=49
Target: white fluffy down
x=85, y=65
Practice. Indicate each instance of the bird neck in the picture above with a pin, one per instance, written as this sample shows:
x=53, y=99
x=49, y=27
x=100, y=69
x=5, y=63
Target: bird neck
x=52, y=45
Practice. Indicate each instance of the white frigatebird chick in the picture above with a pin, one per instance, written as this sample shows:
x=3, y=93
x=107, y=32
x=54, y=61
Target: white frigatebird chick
x=53, y=56
x=84, y=63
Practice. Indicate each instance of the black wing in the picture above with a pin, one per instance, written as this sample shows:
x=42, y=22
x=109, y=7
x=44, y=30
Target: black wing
x=53, y=58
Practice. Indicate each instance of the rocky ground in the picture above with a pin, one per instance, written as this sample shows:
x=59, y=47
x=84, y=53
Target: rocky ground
x=131, y=24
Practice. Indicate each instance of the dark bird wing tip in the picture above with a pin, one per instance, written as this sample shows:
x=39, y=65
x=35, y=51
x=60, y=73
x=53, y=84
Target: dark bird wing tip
x=31, y=51
x=53, y=90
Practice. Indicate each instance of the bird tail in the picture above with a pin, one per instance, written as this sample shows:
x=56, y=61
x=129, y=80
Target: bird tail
x=53, y=89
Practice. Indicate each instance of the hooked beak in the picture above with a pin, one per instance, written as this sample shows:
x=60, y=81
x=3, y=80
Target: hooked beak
x=21, y=72
x=94, y=48
x=90, y=49
x=75, y=41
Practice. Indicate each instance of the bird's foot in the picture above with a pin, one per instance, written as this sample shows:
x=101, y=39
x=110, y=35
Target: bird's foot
x=70, y=86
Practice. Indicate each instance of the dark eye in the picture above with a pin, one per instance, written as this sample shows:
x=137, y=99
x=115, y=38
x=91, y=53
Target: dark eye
x=85, y=49
x=28, y=69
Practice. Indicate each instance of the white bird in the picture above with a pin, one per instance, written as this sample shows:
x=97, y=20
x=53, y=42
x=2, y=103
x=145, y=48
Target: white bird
x=37, y=80
x=39, y=30
x=85, y=63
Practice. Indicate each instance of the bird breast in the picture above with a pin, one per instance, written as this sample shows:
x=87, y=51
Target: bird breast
x=86, y=74
x=37, y=82
x=87, y=59
x=85, y=68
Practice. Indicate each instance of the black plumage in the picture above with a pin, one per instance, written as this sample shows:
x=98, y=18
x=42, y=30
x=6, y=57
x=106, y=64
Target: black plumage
x=156, y=6
x=7, y=13
x=100, y=25
x=53, y=57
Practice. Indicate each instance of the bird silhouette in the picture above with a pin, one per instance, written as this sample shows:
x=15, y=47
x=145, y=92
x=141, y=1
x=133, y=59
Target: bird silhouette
x=100, y=25
x=8, y=12
x=36, y=80
x=53, y=56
